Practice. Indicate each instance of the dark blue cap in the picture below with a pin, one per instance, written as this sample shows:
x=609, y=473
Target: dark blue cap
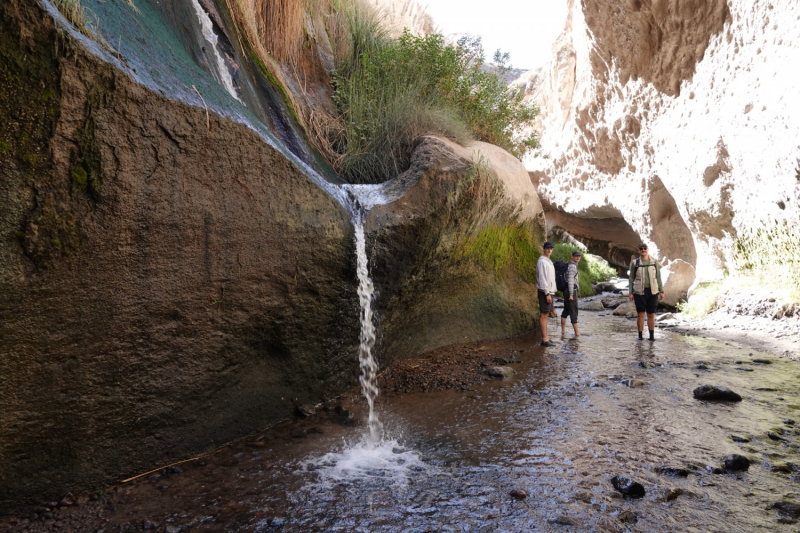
x=547, y=244
x=576, y=252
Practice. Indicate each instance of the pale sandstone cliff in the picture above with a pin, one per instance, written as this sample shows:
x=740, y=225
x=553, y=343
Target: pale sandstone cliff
x=675, y=123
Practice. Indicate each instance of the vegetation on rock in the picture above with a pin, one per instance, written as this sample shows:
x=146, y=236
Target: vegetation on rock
x=390, y=92
x=591, y=268
x=765, y=259
x=78, y=15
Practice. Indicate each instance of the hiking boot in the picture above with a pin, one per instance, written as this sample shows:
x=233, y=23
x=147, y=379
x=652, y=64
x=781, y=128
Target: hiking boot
x=549, y=344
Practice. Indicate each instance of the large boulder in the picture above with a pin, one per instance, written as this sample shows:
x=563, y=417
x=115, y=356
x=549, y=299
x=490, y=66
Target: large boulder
x=459, y=256
x=169, y=281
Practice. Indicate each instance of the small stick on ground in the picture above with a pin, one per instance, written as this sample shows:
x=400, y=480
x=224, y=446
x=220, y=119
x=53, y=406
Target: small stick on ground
x=169, y=465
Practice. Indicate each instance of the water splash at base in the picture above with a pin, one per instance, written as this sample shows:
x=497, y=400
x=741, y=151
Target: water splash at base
x=386, y=463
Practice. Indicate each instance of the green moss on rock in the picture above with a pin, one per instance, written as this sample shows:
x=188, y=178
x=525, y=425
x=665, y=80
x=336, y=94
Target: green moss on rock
x=498, y=247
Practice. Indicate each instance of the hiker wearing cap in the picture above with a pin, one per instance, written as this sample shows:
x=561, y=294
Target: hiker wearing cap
x=546, y=283
x=571, y=296
x=643, y=279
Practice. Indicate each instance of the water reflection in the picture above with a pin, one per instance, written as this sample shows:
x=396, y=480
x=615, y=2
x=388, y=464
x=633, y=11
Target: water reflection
x=575, y=415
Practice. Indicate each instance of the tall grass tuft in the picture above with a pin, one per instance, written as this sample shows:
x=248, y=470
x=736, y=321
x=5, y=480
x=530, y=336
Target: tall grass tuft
x=280, y=23
x=390, y=92
x=83, y=18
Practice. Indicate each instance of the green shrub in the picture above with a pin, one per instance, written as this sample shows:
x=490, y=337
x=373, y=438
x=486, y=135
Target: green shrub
x=390, y=92
x=770, y=256
x=703, y=300
x=591, y=268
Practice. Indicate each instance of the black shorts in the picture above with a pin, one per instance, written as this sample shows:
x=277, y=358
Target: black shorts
x=545, y=307
x=570, y=308
x=647, y=302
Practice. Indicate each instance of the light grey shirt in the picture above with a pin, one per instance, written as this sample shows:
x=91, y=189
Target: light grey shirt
x=545, y=275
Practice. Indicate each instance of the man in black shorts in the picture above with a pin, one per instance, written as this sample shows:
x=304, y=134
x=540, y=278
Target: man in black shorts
x=644, y=276
x=546, y=286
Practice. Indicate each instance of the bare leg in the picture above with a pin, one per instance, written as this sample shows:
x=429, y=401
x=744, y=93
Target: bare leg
x=575, y=327
x=640, y=322
x=543, y=326
x=563, y=326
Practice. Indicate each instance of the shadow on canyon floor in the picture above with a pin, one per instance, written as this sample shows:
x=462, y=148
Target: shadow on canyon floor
x=533, y=452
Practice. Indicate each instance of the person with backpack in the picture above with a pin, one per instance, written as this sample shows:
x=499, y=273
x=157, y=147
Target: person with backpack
x=645, y=276
x=546, y=285
x=571, y=295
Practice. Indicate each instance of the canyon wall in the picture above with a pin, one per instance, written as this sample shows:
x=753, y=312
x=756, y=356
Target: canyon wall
x=173, y=277
x=674, y=123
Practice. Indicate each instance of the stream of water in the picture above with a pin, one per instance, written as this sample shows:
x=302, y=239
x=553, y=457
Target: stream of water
x=218, y=66
x=559, y=430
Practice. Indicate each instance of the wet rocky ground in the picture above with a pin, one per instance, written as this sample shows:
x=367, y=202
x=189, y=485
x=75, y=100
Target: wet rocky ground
x=749, y=316
x=600, y=433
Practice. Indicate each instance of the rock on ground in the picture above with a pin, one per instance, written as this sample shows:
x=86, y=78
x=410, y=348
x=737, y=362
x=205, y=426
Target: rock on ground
x=715, y=393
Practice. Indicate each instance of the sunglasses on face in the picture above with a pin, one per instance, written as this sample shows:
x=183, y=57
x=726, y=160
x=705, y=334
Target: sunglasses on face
x=643, y=248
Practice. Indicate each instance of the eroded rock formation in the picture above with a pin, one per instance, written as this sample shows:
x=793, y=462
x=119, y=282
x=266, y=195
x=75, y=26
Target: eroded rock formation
x=170, y=281
x=674, y=121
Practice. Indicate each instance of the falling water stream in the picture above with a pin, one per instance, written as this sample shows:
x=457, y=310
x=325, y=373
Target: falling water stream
x=219, y=66
x=368, y=365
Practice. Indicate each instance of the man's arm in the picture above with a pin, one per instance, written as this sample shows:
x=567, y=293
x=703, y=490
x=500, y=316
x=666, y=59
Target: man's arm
x=631, y=278
x=572, y=279
x=658, y=278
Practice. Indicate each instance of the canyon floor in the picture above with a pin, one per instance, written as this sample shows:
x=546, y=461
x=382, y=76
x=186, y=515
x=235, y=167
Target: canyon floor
x=464, y=451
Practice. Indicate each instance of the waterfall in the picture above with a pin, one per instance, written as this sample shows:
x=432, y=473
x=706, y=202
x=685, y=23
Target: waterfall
x=221, y=72
x=369, y=367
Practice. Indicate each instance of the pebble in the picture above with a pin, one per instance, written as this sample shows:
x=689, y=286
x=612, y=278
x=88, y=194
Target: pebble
x=565, y=521
x=627, y=487
x=736, y=463
x=672, y=494
x=762, y=361
x=518, y=494
x=737, y=438
x=671, y=471
x=774, y=436
x=785, y=508
x=499, y=371
x=716, y=393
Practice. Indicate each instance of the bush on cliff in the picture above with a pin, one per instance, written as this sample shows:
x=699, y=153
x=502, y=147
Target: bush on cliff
x=390, y=92
x=591, y=268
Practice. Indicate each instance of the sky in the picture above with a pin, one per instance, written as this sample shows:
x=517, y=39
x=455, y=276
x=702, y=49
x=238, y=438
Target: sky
x=524, y=28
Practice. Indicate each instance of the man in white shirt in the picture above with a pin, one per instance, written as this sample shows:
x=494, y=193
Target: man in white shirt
x=546, y=283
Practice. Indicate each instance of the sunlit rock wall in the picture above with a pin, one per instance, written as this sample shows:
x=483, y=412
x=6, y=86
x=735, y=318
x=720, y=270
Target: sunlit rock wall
x=400, y=14
x=679, y=118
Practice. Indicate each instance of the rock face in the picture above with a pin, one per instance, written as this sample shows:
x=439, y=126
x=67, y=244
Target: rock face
x=169, y=281
x=669, y=123
x=401, y=14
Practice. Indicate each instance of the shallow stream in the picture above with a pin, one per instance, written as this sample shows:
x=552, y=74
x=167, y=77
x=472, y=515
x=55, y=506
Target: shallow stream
x=558, y=430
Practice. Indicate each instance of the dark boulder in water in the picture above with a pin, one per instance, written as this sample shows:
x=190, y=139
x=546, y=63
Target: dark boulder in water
x=787, y=508
x=628, y=487
x=736, y=463
x=715, y=393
